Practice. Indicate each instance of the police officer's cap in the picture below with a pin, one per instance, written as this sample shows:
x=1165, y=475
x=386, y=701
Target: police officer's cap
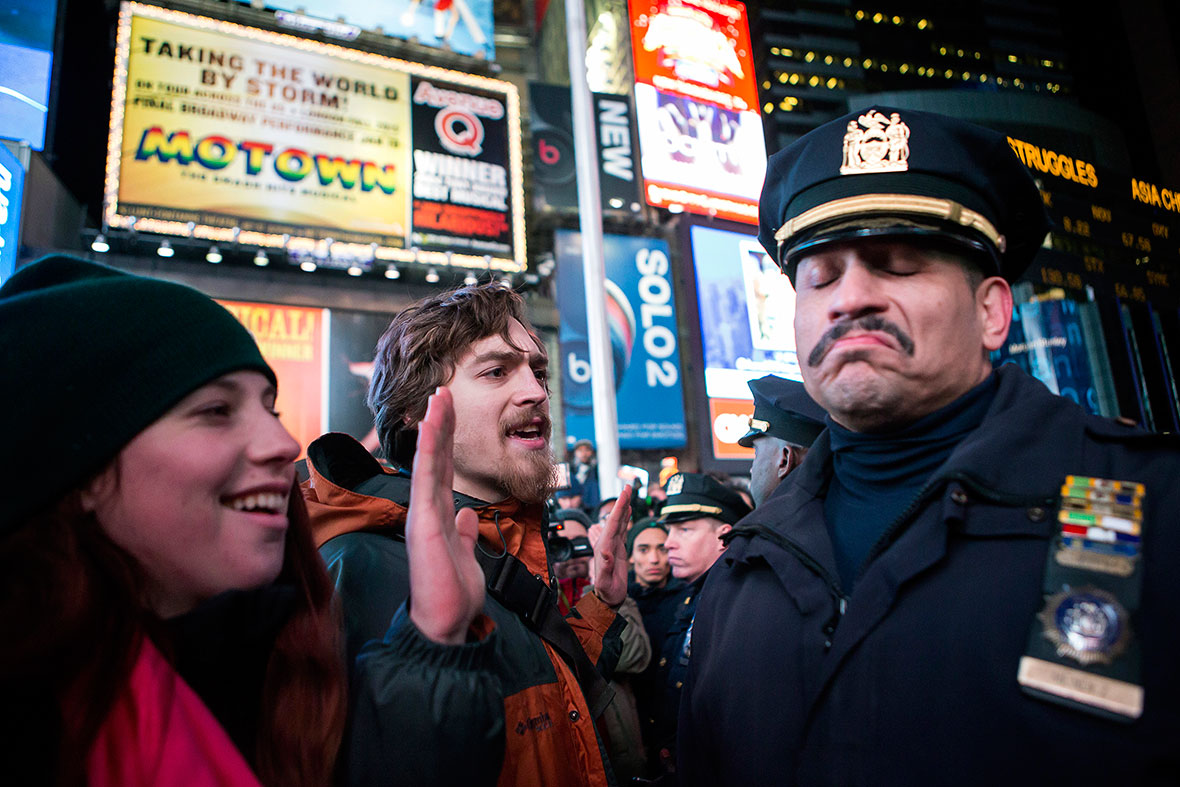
x=783, y=409
x=885, y=172
x=694, y=495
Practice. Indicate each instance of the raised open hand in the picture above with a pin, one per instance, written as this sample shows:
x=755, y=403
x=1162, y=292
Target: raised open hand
x=610, y=553
x=446, y=583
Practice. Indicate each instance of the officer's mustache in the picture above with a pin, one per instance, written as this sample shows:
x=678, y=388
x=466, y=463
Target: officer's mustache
x=872, y=322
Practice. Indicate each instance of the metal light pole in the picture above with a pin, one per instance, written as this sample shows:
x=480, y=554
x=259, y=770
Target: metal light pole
x=602, y=377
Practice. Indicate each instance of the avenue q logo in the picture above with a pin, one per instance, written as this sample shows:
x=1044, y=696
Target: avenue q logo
x=458, y=125
x=459, y=131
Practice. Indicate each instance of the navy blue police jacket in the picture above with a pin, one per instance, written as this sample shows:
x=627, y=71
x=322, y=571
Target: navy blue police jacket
x=659, y=607
x=912, y=678
x=672, y=668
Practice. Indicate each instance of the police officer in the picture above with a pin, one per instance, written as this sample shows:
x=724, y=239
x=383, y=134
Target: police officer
x=785, y=423
x=659, y=597
x=698, y=512
x=969, y=580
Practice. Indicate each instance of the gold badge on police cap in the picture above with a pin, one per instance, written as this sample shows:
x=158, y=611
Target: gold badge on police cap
x=675, y=485
x=876, y=144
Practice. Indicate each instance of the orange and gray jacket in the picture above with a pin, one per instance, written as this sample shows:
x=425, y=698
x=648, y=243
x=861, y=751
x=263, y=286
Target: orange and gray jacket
x=505, y=707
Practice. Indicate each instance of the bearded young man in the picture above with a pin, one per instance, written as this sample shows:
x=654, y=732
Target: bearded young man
x=917, y=604
x=461, y=687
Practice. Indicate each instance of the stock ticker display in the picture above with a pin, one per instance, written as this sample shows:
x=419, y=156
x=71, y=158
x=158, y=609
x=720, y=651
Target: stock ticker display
x=1119, y=235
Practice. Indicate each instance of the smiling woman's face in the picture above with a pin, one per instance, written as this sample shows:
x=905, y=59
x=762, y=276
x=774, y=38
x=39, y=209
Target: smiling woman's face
x=199, y=498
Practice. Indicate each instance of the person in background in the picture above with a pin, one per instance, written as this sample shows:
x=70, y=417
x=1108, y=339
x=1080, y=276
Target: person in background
x=619, y=724
x=785, y=423
x=657, y=593
x=699, y=511
x=573, y=574
x=648, y=556
x=649, y=504
x=166, y=617
x=604, y=510
x=658, y=596
x=583, y=466
x=570, y=497
x=970, y=579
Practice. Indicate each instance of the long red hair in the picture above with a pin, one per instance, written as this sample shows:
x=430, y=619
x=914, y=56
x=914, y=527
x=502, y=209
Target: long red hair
x=72, y=614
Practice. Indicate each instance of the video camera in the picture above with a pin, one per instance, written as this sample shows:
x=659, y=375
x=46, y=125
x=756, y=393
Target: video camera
x=562, y=548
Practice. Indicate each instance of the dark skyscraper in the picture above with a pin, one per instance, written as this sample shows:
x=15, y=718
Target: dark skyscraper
x=816, y=57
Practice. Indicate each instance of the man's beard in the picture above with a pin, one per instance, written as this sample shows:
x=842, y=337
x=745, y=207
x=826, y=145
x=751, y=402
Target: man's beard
x=530, y=480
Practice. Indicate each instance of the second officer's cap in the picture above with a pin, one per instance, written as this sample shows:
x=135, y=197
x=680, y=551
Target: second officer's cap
x=886, y=172
x=783, y=409
x=695, y=495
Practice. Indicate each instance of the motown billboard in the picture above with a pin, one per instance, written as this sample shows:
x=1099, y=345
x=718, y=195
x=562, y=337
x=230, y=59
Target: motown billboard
x=697, y=107
x=229, y=133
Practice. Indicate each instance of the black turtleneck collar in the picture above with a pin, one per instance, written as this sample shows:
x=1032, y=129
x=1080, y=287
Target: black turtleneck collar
x=876, y=475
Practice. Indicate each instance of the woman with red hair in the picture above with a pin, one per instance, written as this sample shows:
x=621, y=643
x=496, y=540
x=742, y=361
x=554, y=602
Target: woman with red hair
x=165, y=617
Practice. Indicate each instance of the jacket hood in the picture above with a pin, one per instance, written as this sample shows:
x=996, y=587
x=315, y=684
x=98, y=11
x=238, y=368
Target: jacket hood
x=336, y=464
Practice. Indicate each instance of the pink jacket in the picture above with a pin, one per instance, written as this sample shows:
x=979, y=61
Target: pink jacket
x=159, y=732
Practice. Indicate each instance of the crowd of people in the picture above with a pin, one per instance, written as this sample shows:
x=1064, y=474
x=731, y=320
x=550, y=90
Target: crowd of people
x=942, y=573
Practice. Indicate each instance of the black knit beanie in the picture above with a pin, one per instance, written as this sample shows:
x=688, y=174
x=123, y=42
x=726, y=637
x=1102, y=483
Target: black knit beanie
x=90, y=357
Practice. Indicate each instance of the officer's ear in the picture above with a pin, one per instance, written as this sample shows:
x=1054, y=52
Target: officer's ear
x=790, y=458
x=993, y=301
x=783, y=467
